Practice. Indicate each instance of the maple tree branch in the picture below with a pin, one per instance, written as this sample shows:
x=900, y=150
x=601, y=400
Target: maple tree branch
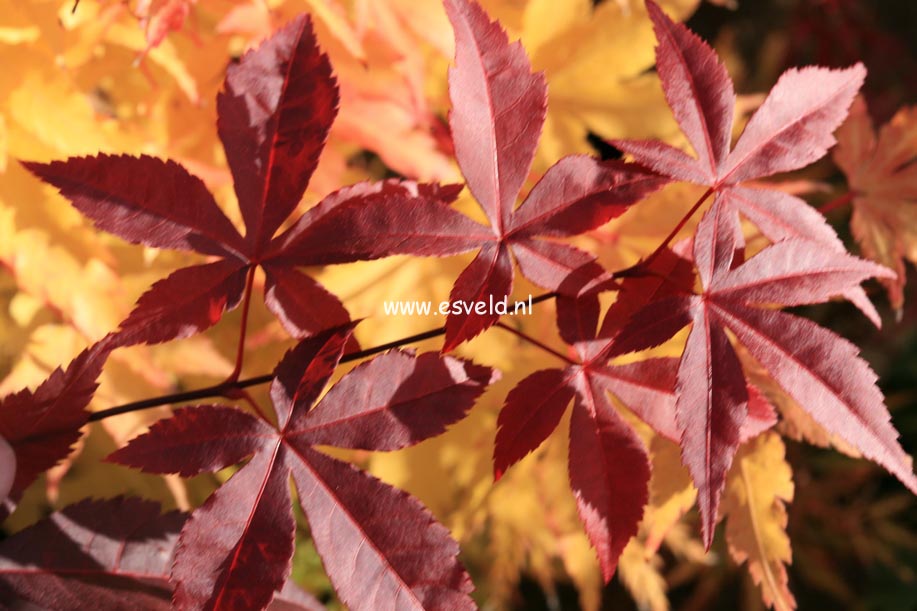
x=230, y=388
x=838, y=202
x=218, y=390
x=535, y=342
x=629, y=271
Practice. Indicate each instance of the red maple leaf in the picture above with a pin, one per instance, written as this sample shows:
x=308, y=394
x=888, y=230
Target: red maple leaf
x=274, y=113
x=112, y=554
x=498, y=110
x=818, y=369
x=608, y=464
x=380, y=547
x=41, y=426
x=791, y=129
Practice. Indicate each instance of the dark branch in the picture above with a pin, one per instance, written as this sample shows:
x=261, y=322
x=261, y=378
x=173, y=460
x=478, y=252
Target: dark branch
x=228, y=388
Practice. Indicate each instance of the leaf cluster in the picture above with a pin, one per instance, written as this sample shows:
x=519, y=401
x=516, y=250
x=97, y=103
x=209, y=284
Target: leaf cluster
x=718, y=300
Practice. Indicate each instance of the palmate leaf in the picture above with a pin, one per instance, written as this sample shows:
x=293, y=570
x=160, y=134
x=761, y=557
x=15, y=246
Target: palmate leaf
x=274, y=112
x=806, y=264
x=498, y=108
x=757, y=489
x=113, y=554
x=820, y=370
x=608, y=464
x=277, y=105
x=38, y=428
x=492, y=86
x=381, y=547
x=881, y=174
x=791, y=129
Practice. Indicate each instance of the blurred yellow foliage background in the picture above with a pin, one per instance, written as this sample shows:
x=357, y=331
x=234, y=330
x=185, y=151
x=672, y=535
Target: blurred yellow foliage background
x=142, y=77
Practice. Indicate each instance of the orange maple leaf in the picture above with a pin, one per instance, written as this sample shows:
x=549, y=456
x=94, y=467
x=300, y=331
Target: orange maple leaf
x=882, y=175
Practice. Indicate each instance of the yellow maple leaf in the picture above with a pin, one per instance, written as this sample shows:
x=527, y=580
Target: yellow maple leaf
x=639, y=571
x=882, y=176
x=758, y=487
x=672, y=494
x=596, y=62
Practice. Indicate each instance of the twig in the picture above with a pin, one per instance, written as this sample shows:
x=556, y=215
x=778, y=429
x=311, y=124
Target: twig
x=535, y=342
x=643, y=263
x=246, y=305
x=229, y=387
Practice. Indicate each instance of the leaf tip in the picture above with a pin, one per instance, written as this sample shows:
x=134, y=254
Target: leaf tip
x=859, y=69
x=707, y=537
x=661, y=21
x=37, y=169
x=654, y=9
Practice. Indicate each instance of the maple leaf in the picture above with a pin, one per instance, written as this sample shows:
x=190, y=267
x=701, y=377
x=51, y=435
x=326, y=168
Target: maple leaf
x=818, y=369
x=759, y=486
x=668, y=276
x=274, y=114
x=791, y=129
x=608, y=465
x=381, y=68
x=881, y=173
x=110, y=554
x=640, y=574
x=672, y=494
x=40, y=427
x=498, y=108
x=235, y=550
